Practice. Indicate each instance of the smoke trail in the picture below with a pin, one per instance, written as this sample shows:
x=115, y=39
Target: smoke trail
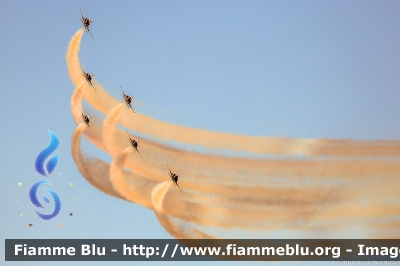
x=76, y=100
x=72, y=57
x=285, y=194
x=193, y=165
x=280, y=206
x=280, y=215
x=76, y=109
x=257, y=219
x=109, y=130
x=104, y=102
x=157, y=199
x=91, y=169
x=284, y=205
x=238, y=197
x=136, y=189
x=347, y=169
x=195, y=212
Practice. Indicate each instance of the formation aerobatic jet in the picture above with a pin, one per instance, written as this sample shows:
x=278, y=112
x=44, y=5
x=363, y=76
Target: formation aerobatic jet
x=86, y=119
x=88, y=77
x=134, y=143
x=174, y=178
x=86, y=23
x=127, y=99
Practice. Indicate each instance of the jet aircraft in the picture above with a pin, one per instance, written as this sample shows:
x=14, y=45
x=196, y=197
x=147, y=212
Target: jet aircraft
x=174, y=178
x=134, y=143
x=86, y=23
x=86, y=119
x=127, y=99
x=88, y=77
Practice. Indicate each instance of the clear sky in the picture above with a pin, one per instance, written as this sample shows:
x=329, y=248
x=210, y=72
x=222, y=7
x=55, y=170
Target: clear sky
x=302, y=69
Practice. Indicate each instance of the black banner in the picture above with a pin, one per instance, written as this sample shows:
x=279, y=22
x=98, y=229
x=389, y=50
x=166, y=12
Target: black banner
x=339, y=250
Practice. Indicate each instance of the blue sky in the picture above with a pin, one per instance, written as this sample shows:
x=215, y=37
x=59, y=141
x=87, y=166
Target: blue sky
x=302, y=69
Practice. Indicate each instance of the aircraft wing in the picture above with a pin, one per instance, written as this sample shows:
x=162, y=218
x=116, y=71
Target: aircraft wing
x=169, y=170
x=131, y=108
x=138, y=152
x=82, y=113
x=89, y=127
x=87, y=28
x=92, y=84
x=176, y=183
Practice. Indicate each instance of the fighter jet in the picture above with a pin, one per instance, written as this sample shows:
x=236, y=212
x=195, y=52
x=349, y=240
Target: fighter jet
x=86, y=119
x=88, y=77
x=86, y=23
x=134, y=143
x=127, y=99
x=174, y=178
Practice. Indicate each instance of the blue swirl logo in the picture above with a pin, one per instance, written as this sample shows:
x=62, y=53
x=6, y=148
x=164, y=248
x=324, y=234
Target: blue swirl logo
x=35, y=201
x=51, y=165
x=44, y=154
